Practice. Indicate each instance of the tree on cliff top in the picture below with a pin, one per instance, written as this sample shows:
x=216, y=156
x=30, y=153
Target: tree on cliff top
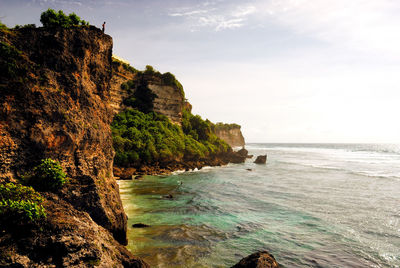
x=51, y=18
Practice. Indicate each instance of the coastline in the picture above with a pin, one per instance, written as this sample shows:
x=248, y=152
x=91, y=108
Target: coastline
x=166, y=168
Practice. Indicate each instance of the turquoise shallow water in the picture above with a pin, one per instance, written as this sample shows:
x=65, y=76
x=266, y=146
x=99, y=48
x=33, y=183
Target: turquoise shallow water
x=311, y=205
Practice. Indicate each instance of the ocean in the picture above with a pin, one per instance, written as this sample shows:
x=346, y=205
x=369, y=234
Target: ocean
x=311, y=205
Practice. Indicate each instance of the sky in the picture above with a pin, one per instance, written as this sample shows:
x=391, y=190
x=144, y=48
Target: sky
x=285, y=70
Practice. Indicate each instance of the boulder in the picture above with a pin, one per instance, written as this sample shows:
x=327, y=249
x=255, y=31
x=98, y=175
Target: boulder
x=243, y=152
x=124, y=173
x=261, y=259
x=261, y=159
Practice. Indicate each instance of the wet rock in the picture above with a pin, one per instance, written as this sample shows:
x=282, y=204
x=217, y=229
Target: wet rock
x=138, y=177
x=140, y=225
x=249, y=169
x=168, y=196
x=261, y=159
x=261, y=259
x=243, y=152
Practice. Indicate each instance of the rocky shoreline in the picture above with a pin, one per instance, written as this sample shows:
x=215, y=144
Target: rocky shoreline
x=164, y=168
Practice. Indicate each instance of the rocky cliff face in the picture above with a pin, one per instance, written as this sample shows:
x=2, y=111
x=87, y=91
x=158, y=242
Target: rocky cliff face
x=57, y=106
x=169, y=100
x=120, y=76
x=230, y=133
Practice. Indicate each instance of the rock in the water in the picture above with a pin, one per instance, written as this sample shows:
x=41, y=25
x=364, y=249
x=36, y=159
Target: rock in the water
x=261, y=259
x=168, y=196
x=140, y=225
x=261, y=159
x=248, y=169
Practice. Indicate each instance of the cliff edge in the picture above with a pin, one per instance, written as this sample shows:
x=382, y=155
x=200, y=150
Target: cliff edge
x=54, y=103
x=230, y=133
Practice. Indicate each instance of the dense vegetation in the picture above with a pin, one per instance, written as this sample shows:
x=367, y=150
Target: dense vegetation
x=145, y=138
x=51, y=18
x=47, y=176
x=19, y=204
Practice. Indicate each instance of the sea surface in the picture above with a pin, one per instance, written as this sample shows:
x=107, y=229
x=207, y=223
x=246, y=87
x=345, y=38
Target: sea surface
x=311, y=205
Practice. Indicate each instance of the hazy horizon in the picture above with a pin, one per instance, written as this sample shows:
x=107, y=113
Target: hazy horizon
x=287, y=71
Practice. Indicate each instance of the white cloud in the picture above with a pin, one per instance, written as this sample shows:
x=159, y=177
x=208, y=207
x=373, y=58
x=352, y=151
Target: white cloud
x=213, y=16
x=364, y=25
x=243, y=11
x=188, y=13
x=358, y=24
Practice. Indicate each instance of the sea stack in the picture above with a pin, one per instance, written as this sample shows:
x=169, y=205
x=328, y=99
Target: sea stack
x=261, y=159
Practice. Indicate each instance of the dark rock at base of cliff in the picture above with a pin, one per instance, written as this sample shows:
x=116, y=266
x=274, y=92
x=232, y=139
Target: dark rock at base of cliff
x=250, y=156
x=261, y=159
x=140, y=225
x=261, y=259
x=124, y=173
x=235, y=158
x=243, y=152
x=159, y=168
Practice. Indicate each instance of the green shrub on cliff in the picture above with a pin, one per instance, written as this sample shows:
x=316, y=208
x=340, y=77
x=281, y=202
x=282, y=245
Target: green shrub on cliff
x=51, y=18
x=141, y=99
x=26, y=26
x=19, y=204
x=224, y=126
x=47, y=176
x=170, y=79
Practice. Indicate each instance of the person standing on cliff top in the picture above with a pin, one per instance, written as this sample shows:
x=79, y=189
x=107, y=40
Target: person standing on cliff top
x=104, y=26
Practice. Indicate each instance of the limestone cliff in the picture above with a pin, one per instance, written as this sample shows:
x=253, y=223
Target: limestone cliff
x=54, y=102
x=230, y=133
x=120, y=76
x=169, y=99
